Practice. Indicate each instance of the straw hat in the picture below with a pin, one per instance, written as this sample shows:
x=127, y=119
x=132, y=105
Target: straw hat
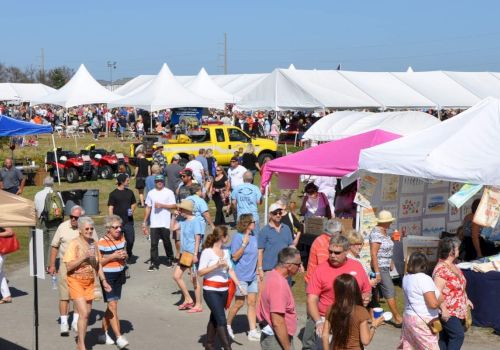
x=384, y=216
x=186, y=204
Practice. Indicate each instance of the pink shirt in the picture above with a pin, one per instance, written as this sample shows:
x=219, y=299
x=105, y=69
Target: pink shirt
x=321, y=282
x=277, y=297
x=317, y=254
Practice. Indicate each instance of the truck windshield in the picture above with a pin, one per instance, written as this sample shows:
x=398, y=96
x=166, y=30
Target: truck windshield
x=236, y=135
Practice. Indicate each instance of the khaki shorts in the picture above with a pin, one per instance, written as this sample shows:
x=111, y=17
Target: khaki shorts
x=62, y=282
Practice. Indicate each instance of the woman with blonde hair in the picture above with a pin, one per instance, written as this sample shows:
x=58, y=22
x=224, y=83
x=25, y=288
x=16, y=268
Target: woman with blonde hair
x=215, y=268
x=249, y=160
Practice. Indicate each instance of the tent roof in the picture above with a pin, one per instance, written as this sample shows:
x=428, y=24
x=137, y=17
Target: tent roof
x=7, y=92
x=82, y=89
x=134, y=84
x=336, y=158
x=462, y=149
x=204, y=86
x=16, y=211
x=13, y=127
x=481, y=84
x=163, y=92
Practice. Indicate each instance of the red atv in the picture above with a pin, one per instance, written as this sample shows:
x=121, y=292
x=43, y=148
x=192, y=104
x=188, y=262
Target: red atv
x=105, y=162
x=71, y=166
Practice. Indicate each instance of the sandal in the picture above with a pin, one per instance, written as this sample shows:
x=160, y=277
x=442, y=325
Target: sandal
x=195, y=310
x=185, y=306
x=6, y=301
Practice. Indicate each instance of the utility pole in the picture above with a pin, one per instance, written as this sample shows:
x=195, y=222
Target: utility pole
x=111, y=66
x=42, y=66
x=224, y=55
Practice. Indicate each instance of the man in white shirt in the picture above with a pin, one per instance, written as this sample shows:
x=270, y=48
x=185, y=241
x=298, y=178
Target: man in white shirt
x=159, y=201
x=235, y=173
x=197, y=168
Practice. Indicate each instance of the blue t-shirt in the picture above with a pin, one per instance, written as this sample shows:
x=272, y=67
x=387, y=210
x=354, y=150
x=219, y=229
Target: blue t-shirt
x=149, y=184
x=200, y=206
x=273, y=242
x=247, y=197
x=203, y=162
x=189, y=230
x=247, y=264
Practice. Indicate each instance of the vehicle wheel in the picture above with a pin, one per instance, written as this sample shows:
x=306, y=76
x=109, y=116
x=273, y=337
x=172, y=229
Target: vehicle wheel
x=53, y=173
x=263, y=156
x=128, y=170
x=183, y=162
x=93, y=175
x=72, y=175
x=106, y=172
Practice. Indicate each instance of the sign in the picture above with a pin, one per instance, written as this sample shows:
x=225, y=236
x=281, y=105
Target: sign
x=177, y=113
x=425, y=245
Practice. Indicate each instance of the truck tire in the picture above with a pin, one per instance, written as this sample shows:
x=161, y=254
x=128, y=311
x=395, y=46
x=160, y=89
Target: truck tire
x=106, y=172
x=263, y=156
x=93, y=175
x=72, y=175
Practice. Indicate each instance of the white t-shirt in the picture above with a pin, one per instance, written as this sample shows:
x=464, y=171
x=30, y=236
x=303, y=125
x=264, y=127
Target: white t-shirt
x=209, y=258
x=197, y=168
x=414, y=286
x=236, y=175
x=160, y=217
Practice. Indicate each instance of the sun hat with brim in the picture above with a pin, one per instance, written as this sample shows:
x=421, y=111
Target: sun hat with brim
x=186, y=204
x=158, y=144
x=385, y=216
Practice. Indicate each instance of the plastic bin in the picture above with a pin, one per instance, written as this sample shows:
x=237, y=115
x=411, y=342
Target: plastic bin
x=70, y=199
x=90, y=202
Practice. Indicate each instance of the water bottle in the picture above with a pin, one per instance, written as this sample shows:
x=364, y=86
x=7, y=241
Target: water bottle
x=54, y=282
x=194, y=271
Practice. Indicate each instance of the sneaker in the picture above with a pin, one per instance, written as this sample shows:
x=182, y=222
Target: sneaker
x=230, y=331
x=74, y=327
x=152, y=268
x=121, y=342
x=170, y=264
x=64, y=329
x=254, y=335
x=105, y=339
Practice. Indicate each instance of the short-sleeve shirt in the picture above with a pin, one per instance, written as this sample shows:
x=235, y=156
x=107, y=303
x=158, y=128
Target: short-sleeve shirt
x=209, y=258
x=321, y=282
x=277, y=297
x=455, y=299
x=197, y=168
x=236, y=175
x=159, y=158
x=272, y=242
x=122, y=201
x=358, y=316
x=414, y=287
x=384, y=255
x=64, y=235
x=189, y=230
x=173, y=176
x=318, y=254
x=200, y=207
x=246, y=265
x=248, y=161
x=247, y=197
x=160, y=217
x=143, y=165
x=203, y=162
x=108, y=246
x=11, y=177
x=75, y=251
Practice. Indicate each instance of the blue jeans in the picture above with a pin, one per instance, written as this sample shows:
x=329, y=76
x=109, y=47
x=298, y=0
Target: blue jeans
x=216, y=301
x=452, y=335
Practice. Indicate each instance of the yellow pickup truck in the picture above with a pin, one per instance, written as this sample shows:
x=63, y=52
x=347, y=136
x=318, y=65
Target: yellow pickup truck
x=224, y=140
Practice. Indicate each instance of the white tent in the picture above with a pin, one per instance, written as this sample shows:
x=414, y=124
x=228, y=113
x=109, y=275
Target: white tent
x=163, y=92
x=481, y=84
x=348, y=123
x=462, y=149
x=205, y=87
x=238, y=84
x=7, y=92
x=134, y=84
x=29, y=92
x=82, y=89
x=278, y=92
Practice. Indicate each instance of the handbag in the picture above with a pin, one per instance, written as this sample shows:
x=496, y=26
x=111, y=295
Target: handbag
x=468, y=318
x=186, y=259
x=434, y=325
x=9, y=244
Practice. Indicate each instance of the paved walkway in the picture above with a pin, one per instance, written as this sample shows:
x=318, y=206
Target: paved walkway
x=148, y=314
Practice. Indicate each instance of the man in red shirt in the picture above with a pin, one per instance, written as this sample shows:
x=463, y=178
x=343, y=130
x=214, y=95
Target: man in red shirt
x=276, y=310
x=320, y=287
x=319, y=249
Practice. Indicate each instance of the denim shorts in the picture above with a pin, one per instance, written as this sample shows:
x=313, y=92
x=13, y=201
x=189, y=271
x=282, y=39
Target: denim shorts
x=114, y=281
x=248, y=287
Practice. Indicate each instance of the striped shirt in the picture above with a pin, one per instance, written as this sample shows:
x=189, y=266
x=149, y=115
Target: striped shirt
x=108, y=246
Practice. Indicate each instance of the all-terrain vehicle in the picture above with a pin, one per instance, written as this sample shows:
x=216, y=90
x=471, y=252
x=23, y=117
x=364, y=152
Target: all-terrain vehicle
x=106, y=162
x=71, y=166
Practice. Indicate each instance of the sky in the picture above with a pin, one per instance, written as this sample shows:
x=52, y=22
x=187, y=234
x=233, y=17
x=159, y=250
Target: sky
x=369, y=35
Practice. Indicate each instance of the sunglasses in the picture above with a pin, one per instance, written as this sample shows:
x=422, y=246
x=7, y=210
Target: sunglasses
x=116, y=227
x=277, y=212
x=73, y=217
x=89, y=228
x=296, y=264
x=218, y=170
x=333, y=252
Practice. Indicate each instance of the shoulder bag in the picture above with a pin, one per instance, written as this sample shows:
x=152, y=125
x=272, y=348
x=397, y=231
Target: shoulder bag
x=434, y=325
x=9, y=244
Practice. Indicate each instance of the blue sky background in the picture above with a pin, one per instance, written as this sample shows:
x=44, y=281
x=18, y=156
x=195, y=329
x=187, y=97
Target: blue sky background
x=374, y=35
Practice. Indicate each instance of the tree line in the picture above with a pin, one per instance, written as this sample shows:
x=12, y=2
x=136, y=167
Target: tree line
x=55, y=77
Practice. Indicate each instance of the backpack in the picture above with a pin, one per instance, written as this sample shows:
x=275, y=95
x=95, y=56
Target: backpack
x=53, y=209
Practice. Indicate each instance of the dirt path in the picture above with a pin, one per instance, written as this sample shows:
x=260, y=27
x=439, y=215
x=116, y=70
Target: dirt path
x=149, y=317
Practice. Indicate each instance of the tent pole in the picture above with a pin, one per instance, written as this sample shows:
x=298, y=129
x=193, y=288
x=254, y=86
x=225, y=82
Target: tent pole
x=266, y=203
x=35, y=287
x=358, y=217
x=57, y=161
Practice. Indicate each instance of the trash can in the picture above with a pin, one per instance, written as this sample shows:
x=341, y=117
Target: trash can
x=70, y=199
x=90, y=202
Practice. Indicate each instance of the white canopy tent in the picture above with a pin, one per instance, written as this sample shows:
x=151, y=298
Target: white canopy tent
x=163, y=92
x=481, y=84
x=82, y=89
x=205, y=87
x=23, y=92
x=7, y=92
x=461, y=149
x=348, y=123
x=134, y=84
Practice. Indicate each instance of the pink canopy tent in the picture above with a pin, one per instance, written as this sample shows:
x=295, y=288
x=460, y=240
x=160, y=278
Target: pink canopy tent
x=337, y=158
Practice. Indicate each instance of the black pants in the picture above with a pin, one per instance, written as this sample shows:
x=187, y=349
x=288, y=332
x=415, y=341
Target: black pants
x=129, y=233
x=216, y=301
x=162, y=233
x=219, y=204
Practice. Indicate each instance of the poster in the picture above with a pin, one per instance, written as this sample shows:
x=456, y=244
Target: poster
x=433, y=226
x=436, y=184
x=455, y=187
x=488, y=211
x=465, y=193
x=452, y=226
x=390, y=184
x=411, y=184
x=426, y=245
x=454, y=213
x=436, y=203
x=411, y=228
x=410, y=206
x=368, y=220
x=362, y=200
x=367, y=185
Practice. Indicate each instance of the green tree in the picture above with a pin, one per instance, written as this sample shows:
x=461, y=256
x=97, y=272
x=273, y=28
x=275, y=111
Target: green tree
x=59, y=76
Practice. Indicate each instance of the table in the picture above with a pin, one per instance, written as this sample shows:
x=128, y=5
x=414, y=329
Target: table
x=483, y=290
